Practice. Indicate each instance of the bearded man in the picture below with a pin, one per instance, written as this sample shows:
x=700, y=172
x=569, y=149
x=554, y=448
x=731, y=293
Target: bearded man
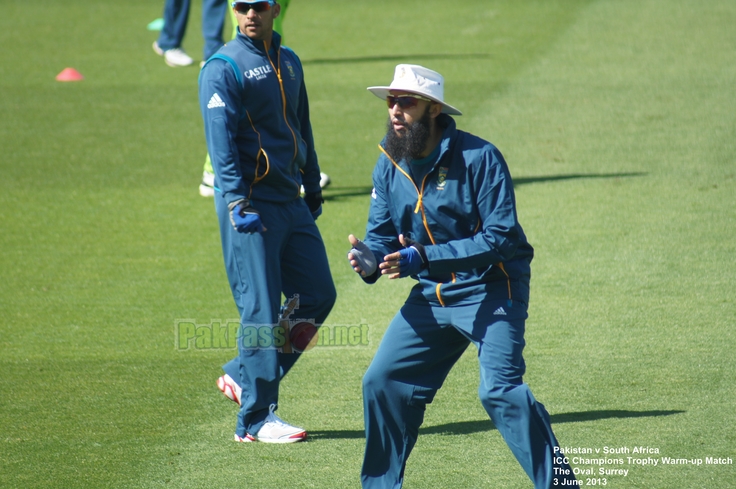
x=443, y=212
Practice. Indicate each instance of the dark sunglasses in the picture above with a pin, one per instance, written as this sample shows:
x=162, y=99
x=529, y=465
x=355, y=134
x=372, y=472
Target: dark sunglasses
x=242, y=8
x=405, y=101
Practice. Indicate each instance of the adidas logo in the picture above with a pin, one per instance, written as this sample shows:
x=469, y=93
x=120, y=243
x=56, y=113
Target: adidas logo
x=499, y=312
x=215, y=101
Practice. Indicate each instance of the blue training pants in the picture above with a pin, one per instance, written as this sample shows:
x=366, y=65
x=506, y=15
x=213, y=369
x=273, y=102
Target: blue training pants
x=289, y=258
x=420, y=346
x=176, y=17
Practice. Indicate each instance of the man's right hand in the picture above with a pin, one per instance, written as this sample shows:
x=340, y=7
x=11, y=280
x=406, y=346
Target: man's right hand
x=361, y=258
x=245, y=218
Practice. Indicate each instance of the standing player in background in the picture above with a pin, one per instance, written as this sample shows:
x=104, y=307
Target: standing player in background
x=443, y=212
x=206, y=187
x=176, y=17
x=256, y=119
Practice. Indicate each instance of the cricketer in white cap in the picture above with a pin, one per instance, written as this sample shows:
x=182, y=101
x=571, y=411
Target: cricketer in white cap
x=443, y=212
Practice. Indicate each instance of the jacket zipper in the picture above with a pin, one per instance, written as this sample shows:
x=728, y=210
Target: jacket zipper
x=277, y=70
x=417, y=208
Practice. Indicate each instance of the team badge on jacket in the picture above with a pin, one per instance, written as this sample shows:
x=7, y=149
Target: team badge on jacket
x=291, y=70
x=441, y=178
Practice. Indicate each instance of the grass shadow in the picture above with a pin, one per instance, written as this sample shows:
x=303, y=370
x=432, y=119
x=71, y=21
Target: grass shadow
x=339, y=193
x=394, y=58
x=468, y=427
x=336, y=435
x=574, y=176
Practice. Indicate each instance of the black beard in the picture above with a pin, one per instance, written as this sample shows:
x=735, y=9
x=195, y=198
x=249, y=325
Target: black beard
x=411, y=145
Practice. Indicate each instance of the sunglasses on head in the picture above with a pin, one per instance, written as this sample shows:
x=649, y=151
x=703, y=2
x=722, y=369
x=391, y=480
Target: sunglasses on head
x=404, y=101
x=243, y=8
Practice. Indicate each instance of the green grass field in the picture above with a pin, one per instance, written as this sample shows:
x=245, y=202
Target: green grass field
x=617, y=119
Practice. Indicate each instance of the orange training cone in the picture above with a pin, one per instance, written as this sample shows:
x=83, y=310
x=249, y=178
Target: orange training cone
x=69, y=74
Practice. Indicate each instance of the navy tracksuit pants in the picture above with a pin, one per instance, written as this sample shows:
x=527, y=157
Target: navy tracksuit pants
x=419, y=348
x=289, y=258
x=176, y=18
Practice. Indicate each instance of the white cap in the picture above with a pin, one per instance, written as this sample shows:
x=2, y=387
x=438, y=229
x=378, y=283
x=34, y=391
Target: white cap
x=419, y=80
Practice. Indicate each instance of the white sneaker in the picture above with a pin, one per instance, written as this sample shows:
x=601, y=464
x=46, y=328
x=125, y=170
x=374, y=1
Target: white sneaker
x=207, y=187
x=173, y=57
x=177, y=57
x=157, y=49
x=244, y=439
x=229, y=388
x=324, y=181
x=275, y=430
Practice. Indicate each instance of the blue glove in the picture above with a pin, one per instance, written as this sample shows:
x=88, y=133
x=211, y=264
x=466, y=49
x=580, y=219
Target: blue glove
x=413, y=259
x=314, y=202
x=245, y=218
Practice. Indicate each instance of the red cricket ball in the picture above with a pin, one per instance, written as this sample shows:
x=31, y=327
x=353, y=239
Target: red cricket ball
x=303, y=336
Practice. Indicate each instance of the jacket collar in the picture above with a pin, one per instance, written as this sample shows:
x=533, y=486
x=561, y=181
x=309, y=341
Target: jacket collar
x=259, y=46
x=448, y=134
